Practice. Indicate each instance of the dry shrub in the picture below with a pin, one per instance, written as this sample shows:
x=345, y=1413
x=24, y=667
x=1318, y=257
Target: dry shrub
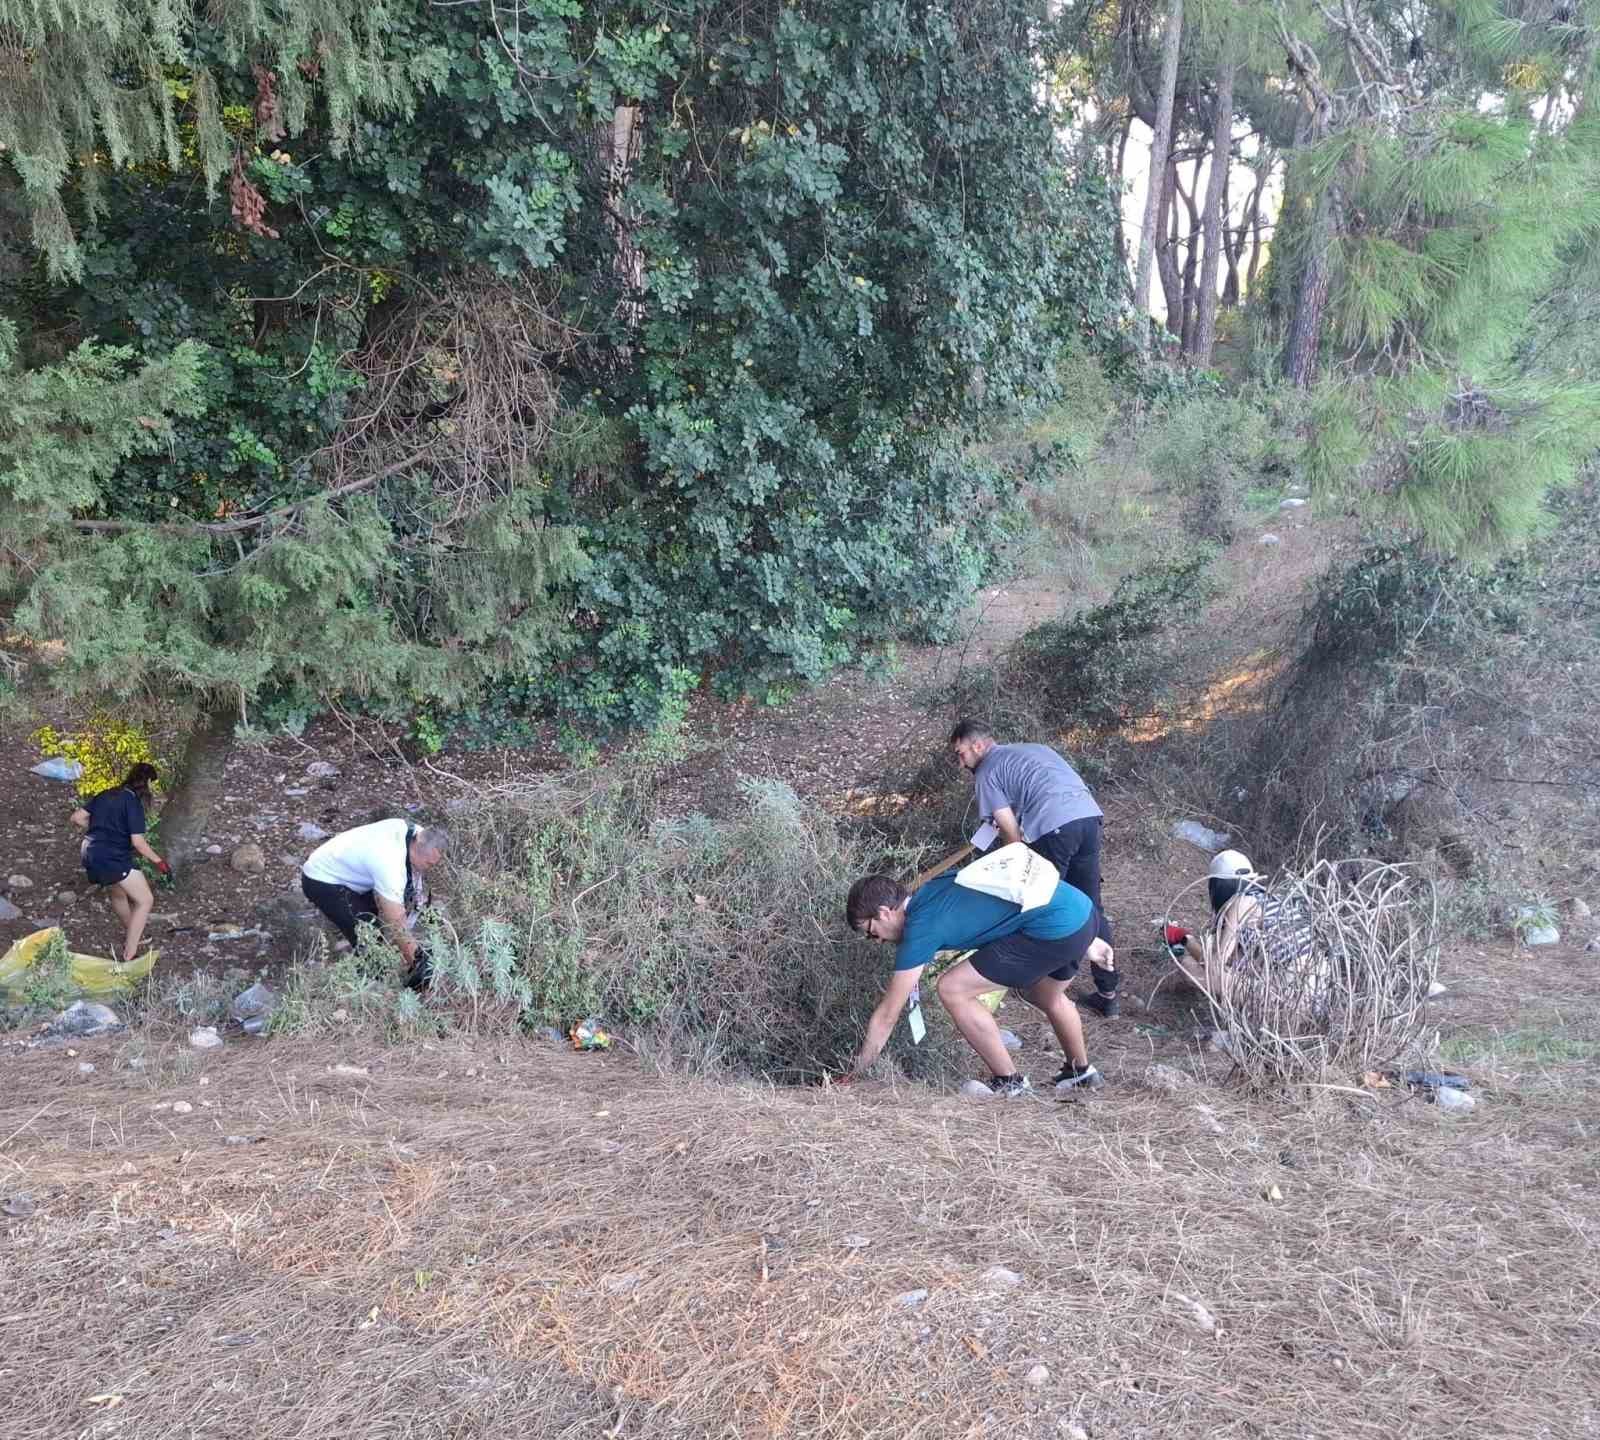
x=1351, y=1001
x=715, y=943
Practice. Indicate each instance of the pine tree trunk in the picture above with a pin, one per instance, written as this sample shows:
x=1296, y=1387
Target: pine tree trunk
x=1205, y=335
x=1191, y=263
x=1232, y=242
x=1311, y=296
x=1167, y=251
x=1254, y=268
x=1160, y=146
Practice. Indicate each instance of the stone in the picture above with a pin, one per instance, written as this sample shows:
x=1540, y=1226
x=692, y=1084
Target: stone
x=67, y=898
x=999, y=1276
x=181, y=1107
x=1010, y=1040
x=213, y=849
x=18, y=1206
x=321, y=770
x=85, y=1067
x=1270, y=539
x=296, y=790
x=310, y=831
x=1593, y=947
x=8, y=911
x=1168, y=1077
x=911, y=1299
x=1578, y=909
x=1293, y=502
x=976, y=1090
x=1541, y=935
x=83, y=1018
x=1454, y=1102
x=205, y=1037
x=348, y=1070
x=1071, y=1430
x=1038, y=1377
x=248, y=860
x=623, y=1283
x=855, y=1242
x=19, y=882
x=340, y=1017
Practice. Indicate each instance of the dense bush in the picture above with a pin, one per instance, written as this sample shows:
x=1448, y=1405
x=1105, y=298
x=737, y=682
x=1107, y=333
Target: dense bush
x=616, y=348
x=1209, y=449
x=712, y=943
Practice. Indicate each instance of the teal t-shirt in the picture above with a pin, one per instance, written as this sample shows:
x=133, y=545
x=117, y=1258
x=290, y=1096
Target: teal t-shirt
x=945, y=916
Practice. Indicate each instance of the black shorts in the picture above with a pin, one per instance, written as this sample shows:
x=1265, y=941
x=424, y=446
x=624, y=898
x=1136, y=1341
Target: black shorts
x=107, y=874
x=1074, y=849
x=1018, y=960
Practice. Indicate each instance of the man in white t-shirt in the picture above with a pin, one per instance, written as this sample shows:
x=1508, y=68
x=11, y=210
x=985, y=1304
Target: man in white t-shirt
x=374, y=873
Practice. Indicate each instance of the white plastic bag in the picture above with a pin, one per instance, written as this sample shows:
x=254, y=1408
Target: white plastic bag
x=57, y=768
x=1014, y=873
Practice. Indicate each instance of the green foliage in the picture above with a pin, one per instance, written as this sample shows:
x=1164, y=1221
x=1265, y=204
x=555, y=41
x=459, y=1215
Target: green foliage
x=47, y=986
x=1208, y=449
x=706, y=409
x=1099, y=670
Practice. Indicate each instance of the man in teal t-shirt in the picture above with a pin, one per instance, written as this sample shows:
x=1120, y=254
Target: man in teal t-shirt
x=1034, y=952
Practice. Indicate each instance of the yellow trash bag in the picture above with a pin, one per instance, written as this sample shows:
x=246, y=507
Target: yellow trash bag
x=94, y=975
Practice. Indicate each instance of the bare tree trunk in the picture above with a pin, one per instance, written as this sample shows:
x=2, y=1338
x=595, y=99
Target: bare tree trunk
x=1191, y=261
x=1254, y=267
x=1232, y=242
x=1205, y=334
x=1160, y=146
x=1167, y=251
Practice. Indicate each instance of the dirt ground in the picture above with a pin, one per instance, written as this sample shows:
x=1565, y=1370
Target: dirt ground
x=488, y=1238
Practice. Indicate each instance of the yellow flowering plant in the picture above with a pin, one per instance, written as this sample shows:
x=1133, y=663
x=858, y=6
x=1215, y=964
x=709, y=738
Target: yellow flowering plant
x=106, y=748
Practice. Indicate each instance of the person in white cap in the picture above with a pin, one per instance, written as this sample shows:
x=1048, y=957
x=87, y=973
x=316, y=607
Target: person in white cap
x=1251, y=929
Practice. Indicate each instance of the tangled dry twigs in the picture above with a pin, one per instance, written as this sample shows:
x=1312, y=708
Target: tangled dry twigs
x=1350, y=998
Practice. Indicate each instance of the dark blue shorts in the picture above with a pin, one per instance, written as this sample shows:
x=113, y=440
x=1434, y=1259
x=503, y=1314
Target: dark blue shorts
x=1018, y=960
x=106, y=874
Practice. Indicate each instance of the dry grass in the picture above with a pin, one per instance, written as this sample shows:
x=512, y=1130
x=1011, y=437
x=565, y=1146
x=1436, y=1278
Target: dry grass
x=516, y=1240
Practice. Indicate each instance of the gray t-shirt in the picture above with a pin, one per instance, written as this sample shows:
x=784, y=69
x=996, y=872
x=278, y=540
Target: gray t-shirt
x=1036, y=785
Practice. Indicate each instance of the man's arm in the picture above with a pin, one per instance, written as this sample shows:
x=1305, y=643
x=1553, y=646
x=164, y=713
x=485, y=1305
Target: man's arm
x=1005, y=821
x=882, y=1024
x=80, y=818
x=392, y=916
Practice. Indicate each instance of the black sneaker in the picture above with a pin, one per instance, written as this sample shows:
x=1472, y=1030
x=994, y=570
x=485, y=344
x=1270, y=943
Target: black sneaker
x=1105, y=1005
x=1003, y=1087
x=1078, y=1077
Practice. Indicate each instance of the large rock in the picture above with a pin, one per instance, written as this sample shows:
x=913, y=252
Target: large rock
x=19, y=882
x=321, y=770
x=8, y=911
x=249, y=860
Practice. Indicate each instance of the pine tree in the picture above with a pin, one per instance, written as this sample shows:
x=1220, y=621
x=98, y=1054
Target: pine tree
x=86, y=84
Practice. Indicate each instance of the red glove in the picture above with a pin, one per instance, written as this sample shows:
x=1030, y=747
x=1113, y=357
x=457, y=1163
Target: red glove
x=1176, y=934
x=163, y=867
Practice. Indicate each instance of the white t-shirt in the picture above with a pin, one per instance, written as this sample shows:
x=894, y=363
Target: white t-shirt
x=370, y=857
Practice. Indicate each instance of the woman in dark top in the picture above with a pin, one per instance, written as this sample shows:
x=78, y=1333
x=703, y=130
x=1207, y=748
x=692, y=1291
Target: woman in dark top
x=114, y=820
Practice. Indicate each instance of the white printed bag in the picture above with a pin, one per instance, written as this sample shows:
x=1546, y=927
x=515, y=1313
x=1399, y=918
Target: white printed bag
x=1014, y=873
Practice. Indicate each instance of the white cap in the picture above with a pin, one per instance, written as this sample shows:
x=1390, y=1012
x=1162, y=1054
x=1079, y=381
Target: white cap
x=1232, y=865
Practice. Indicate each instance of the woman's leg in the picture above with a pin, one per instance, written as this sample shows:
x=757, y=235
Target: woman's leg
x=120, y=904
x=137, y=890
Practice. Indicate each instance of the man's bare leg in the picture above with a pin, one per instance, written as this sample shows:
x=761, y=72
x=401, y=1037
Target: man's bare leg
x=959, y=989
x=1050, y=998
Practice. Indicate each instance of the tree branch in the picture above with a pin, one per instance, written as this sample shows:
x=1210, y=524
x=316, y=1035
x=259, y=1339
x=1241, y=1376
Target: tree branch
x=246, y=522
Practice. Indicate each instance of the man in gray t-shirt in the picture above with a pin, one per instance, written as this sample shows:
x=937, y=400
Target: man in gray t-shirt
x=1032, y=795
